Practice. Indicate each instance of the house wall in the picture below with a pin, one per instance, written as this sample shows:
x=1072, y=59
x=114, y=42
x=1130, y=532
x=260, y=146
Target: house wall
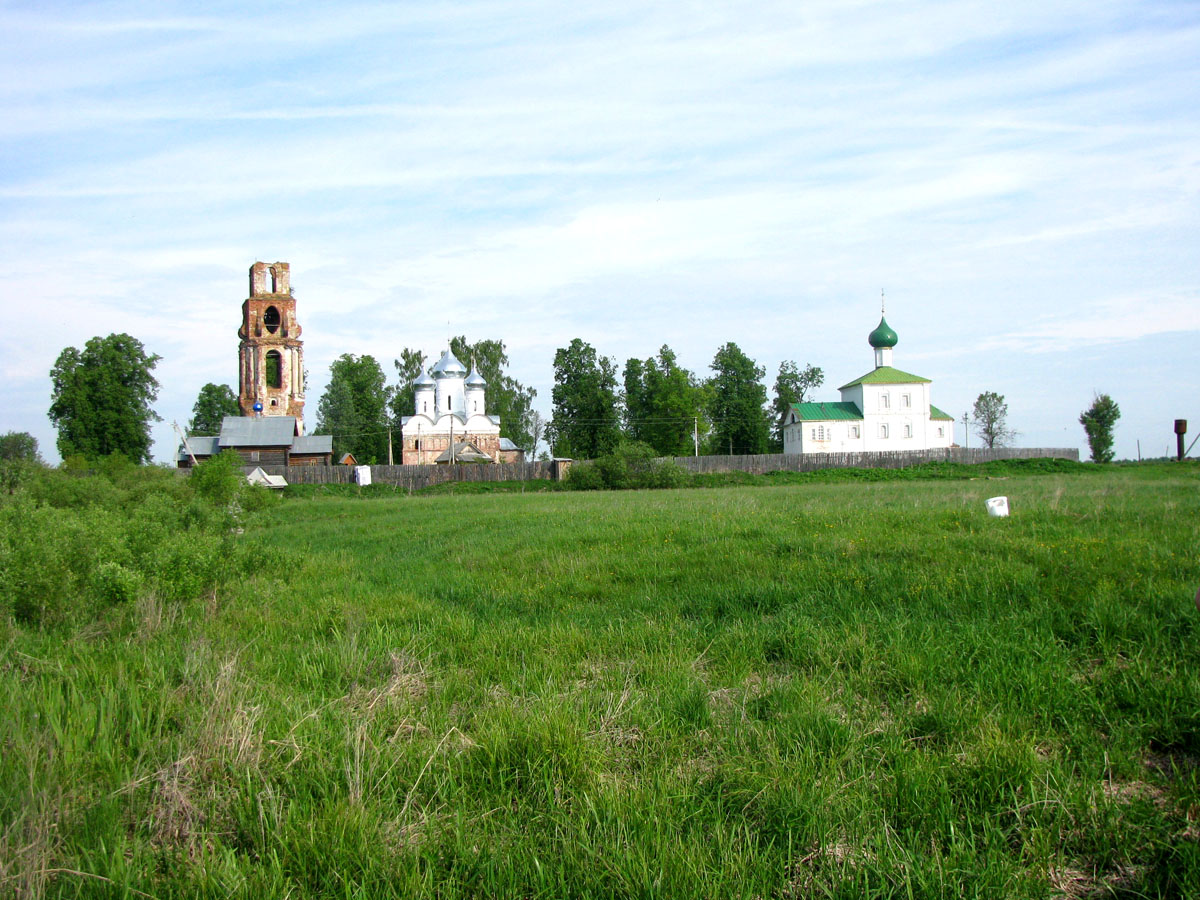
x=433, y=437
x=423, y=449
x=895, y=419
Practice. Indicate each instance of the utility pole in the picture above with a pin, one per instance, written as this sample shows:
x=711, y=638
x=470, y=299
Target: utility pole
x=183, y=438
x=696, y=435
x=390, y=463
x=966, y=434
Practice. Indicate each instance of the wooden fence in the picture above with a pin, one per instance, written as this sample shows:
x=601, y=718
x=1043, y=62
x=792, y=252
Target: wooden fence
x=892, y=459
x=415, y=477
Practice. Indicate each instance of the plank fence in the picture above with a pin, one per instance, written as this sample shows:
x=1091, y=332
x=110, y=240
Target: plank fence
x=891, y=459
x=416, y=477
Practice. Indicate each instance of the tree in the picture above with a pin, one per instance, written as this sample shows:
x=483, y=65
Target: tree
x=537, y=428
x=101, y=397
x=635, y=401
x=354, y=409
x=791, y=386
x=662, y=403
x=990, y=417
x=409, y=367
x=737, y=402
x=19, y=446
x=1098, y=421
x=214, y=403
x=18, y=457
x=506, y=397
x=585, y=420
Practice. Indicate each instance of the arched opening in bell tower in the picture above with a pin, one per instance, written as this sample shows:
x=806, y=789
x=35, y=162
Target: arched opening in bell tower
x=274, y=369
x=271, y=319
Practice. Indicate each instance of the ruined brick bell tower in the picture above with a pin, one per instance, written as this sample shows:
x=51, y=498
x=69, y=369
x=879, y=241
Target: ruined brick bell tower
x=271, y=354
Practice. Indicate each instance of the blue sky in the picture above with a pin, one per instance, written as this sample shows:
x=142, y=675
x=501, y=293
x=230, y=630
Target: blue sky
x=1022, y=178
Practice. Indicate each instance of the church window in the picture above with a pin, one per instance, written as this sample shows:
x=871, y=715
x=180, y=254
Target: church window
x=274, y=369
x=884, y=401
x=447, y=404
x=425, y=406
x=814, y=434
x=905, y=401
x=908, y=431
x=853, y=431
x=883, y=429
x=941, y=432
x=271, y=319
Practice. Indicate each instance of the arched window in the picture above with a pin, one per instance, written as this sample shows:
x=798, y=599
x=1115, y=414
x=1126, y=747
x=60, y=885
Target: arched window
x=271, y=319
x=274, y=369
x=447, y=404
x=273, y=280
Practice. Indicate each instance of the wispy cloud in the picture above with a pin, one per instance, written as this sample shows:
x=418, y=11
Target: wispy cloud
x=624, y=173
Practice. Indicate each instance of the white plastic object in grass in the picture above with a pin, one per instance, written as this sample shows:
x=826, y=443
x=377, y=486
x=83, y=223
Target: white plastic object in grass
x=997, y=506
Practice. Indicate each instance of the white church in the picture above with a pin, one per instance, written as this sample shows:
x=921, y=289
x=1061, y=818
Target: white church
x=450, y=423
x=884, y=410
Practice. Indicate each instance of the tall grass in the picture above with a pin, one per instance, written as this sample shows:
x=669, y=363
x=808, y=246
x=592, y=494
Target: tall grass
x=826, y=690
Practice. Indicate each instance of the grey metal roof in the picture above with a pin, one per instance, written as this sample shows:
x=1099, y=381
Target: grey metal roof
x=464, y=452
x=449, y=367
x=506, y=444
x=201, y=446
x=313, y=443
x=475, y=379
x=267, y=431
x=423, y=380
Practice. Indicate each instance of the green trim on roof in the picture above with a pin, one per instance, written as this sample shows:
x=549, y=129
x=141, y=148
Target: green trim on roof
x=819, y=412
x=935, y=413
x=886, y=375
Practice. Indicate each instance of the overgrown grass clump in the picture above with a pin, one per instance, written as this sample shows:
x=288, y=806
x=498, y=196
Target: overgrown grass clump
x=833, y=690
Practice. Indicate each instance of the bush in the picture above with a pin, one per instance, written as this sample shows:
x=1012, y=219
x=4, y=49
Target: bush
x=632, y=465
x=76, y=541
x=219, y=479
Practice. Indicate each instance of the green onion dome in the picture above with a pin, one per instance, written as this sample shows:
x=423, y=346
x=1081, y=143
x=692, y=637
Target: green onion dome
x=883, y=336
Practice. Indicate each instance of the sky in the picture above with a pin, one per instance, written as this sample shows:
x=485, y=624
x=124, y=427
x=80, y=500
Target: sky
x=1022, y=180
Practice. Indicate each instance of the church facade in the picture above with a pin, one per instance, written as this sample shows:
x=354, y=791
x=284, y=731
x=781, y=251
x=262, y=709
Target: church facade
x=450, y=423
x=270, y=352
x=884, y=410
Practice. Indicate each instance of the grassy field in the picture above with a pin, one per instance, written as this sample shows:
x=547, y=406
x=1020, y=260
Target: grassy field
x=819, y=689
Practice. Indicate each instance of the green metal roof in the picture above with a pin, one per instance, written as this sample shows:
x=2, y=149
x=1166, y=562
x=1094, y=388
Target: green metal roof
x=817, y=412
x=935, y=413
x=886, y=375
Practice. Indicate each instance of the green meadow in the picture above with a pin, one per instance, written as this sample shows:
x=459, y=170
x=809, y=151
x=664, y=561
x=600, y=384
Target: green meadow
x=832, y=688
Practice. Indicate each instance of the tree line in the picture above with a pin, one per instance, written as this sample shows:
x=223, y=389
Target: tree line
x=102, y=400
x=668, y=408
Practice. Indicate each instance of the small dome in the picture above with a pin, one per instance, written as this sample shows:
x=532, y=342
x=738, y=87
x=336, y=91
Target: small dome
x=449, y=367
x=423, y=382
x=883, y=336
x=475, y=379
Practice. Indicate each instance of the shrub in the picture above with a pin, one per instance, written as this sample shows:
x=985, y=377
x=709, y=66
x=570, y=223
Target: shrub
x=75, y=541
x=631, y=465
x=219, y=480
